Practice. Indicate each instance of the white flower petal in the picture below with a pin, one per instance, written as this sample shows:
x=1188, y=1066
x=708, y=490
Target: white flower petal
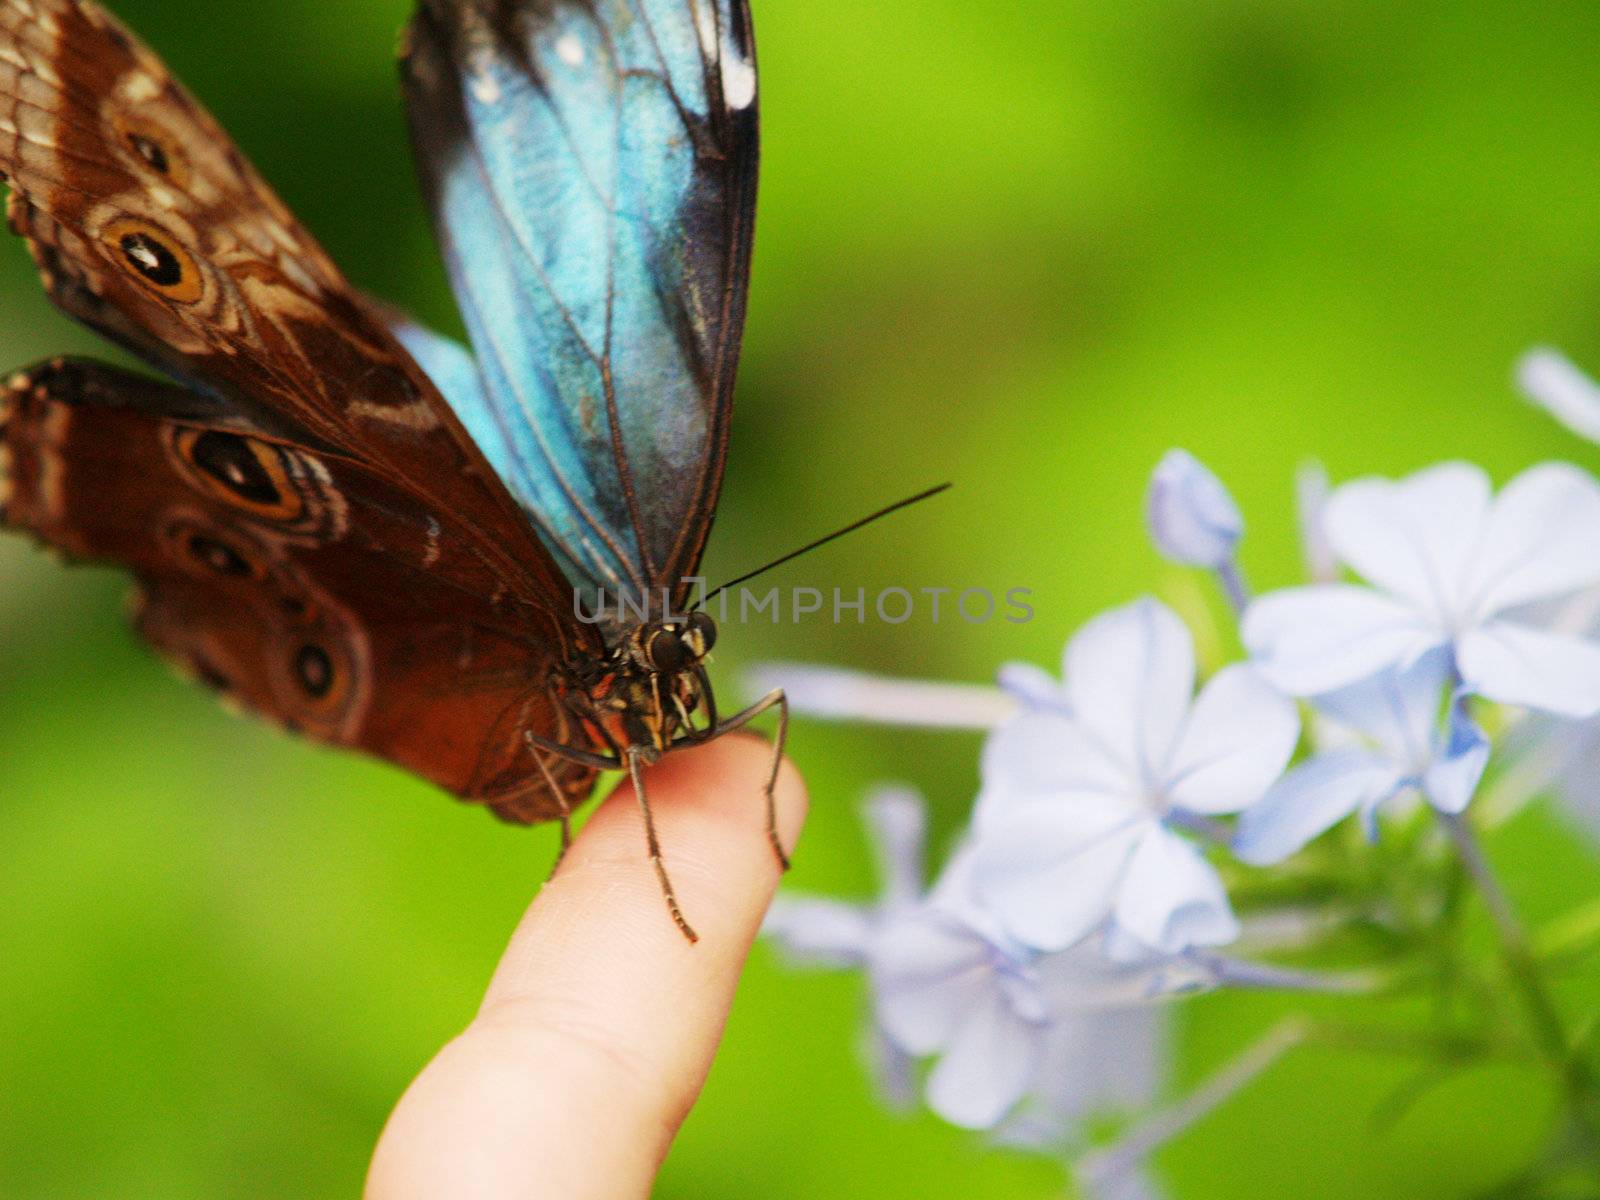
x=1032, y=687
x=1452, y=780
x=1569, y=753
x=1048, y=870
x=1552, y=381
x=1091, y=1063
x=1415, y=538
x=1192, y=518
x=1113, y=970
x=1129, y=1181
x=955, y=895
x=1123, y=950
x=1171, y=898
x=1316, y=639
x=1119, y=1056
x=1310, y=799
x=1542, y=539
x=927, y=973
x=897, y=822
x=819, y=933
x=1397, y=709
x=893, y=1070
x=1576, y=614
x=830, y=694
x=1130, y=678
x=1513, y=664
x=1239, y=737
x=1043, y=754
x=988, y=1066
x=1312, y=493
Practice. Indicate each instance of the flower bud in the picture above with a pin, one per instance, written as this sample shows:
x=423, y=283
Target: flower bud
x=1193, y=520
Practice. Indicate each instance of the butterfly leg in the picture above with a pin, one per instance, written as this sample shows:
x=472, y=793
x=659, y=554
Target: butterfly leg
x=584, y=758
x=566, y=807
x=635, y=770
x=634, y=764
x=774, y=699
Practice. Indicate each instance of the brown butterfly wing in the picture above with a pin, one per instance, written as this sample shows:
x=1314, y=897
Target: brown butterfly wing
x=301, y=586
x=149, y=225
x=313, y=529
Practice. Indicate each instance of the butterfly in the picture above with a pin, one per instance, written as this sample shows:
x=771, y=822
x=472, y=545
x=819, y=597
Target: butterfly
x=346, y=523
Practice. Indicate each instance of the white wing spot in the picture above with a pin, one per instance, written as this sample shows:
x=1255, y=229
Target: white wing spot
x=738, y=81
x=705, y=24
x=418, y=415
x=139, y=87
x=486, y=88
x=570, y=50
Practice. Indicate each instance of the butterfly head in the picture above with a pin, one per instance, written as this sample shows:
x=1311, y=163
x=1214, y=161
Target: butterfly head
x=673, y=646
x=659, y=680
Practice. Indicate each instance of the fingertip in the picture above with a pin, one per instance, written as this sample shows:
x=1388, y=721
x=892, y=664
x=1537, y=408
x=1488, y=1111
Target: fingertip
x=709, y=808
x=601, y=934
x=599, y=952
x=710, y=802
x=600, y=1025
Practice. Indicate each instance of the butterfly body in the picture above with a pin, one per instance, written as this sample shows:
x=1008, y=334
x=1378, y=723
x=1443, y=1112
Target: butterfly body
x=344, y=522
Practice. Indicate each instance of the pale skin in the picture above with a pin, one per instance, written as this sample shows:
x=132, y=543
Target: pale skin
x=601, y=1021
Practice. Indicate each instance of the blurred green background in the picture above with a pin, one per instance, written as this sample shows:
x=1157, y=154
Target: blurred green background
x=1025, y=246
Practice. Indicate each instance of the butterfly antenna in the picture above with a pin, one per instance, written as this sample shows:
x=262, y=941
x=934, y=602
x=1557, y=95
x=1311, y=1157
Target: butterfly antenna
x=823, y=541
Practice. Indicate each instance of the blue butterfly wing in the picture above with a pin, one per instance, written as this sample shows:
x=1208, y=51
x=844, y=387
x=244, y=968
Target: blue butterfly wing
x=591, y=165
x=455, y=373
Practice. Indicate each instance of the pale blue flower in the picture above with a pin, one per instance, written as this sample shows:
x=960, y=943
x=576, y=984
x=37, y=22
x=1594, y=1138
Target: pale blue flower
x=837, y=694
x=1455, y=568
x=1312, y=492
x=1552, y=382
x=942, y=985
x=1029, y=1044
x=1094, y=1061
x=813, y=931
x=1134, y=1182
x=1063, y=1036
x=1082, y=805
x=1574, y=772
x=1555, y=755
x=1395, y=747
x=1565, y=755
x=816, y=932
x=944, y=989
x=1192, y=518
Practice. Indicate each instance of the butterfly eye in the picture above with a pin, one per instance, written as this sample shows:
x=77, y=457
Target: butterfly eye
x=242, y=471
x=156, y=260
x=701, y=625
x=667, y=651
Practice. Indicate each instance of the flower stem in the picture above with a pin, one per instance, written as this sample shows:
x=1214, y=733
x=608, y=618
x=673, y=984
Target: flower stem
x=1100, y=1170
x=1579, y=1080
x=1102, y=1167
x=1234, y=586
